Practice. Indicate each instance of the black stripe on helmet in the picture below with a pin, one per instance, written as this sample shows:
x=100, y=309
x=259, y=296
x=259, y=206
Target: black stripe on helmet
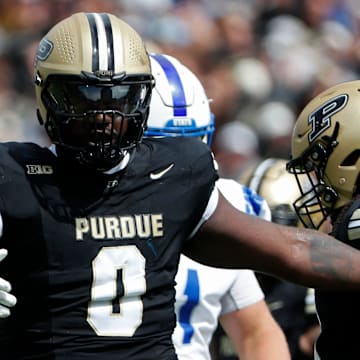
x=110, y=41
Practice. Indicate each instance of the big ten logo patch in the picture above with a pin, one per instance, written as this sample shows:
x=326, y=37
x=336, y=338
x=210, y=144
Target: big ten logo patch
x=39, y=169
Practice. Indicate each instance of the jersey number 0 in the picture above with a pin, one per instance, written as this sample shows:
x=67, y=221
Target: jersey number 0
x=109, y=313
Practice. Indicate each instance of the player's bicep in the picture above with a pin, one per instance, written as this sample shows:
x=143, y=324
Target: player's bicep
x=233, y=239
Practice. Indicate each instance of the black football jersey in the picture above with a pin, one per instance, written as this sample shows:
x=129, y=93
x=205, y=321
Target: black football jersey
x=337, y=310
x=92, y=257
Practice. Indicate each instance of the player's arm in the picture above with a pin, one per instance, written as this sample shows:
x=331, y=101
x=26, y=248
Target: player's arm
x=255, y=334
x=7, y=300
x=233, y=239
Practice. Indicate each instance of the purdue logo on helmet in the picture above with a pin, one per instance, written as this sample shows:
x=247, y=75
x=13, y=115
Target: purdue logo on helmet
x=93, y=86
x=320, y=119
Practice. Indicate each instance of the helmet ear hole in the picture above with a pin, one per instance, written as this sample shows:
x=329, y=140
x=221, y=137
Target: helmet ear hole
x=352, y=158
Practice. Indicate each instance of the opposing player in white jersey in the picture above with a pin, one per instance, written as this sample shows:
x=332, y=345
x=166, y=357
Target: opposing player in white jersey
x=207, y=295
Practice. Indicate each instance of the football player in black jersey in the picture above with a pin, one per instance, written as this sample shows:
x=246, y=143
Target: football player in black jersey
x=95, y=224
x=325, y=147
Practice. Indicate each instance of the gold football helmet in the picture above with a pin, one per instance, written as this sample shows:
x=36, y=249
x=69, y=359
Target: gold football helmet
x=270, y=180
x=326, y=147
x=93, y=85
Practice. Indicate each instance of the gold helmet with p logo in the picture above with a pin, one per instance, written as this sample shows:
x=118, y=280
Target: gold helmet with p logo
x=93, y=85
x=326, y=148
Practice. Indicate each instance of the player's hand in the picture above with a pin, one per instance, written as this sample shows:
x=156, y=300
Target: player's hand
x=6, y=299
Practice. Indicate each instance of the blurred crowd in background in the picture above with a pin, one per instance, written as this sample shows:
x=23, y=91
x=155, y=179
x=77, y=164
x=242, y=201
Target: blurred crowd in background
x=260, y=61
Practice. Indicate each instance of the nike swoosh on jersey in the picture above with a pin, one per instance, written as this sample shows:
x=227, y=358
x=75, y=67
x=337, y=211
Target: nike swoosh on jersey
x=158, y=175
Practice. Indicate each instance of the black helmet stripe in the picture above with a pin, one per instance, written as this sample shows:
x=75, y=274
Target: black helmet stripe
x=110, y=41
x=102, y=42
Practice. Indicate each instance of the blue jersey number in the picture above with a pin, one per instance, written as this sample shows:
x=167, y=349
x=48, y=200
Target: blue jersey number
x=192, y=291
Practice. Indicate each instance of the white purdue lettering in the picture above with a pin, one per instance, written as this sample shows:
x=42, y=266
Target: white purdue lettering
x=127, y=226
x=122, y=227
x=82, y=227
x=112, y=227
x=157, y=225
x=143, y=225
x=97, y=227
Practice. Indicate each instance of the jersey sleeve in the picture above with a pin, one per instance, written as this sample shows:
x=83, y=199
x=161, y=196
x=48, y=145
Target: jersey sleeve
x=244, y=198
x=244, y=292
x=239, y=196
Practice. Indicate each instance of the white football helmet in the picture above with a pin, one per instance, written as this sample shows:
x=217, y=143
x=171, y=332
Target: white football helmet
x=179, y=105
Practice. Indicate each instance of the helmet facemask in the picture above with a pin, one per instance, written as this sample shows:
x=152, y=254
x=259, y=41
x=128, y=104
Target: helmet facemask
x=317, y=200
x=95, y=120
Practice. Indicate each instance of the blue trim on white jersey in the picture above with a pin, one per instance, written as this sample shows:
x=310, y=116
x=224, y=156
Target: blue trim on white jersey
x=192, y=292
x=254, y=202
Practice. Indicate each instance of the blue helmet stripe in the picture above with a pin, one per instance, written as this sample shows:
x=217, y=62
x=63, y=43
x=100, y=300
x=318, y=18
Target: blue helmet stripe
x=177, y=90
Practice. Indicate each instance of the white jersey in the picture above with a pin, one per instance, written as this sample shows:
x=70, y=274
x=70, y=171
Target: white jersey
x=204, y=293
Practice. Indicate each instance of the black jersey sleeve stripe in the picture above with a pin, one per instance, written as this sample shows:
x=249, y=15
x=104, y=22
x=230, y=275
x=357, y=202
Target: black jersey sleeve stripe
x=110, y=41
x=94, y=42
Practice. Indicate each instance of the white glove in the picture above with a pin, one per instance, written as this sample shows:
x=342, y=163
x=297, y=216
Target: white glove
x=6, y=299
